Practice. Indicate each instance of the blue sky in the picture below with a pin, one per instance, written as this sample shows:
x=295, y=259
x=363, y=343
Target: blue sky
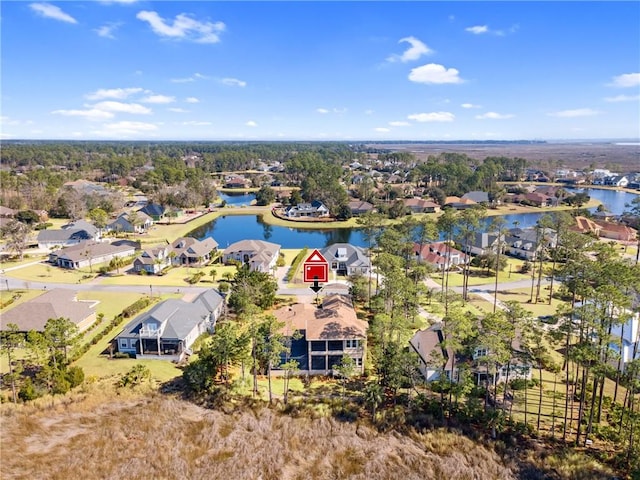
x=320, y=70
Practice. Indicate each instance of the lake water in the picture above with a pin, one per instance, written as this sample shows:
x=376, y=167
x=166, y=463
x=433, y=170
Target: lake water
x=237, y=199
x=233, y=228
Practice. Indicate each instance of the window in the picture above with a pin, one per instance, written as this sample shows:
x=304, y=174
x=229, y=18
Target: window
x=352, y=343
x=480, y=352
x=123, y=343
x=358, y=362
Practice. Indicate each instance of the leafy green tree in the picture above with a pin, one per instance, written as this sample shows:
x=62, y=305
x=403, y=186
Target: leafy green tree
x=16, y=236
x=252, y=288
x=99, y=217
x=61, y=334
x=345, y=370
x=266, y=195
x=373, y=397
x=11, y=340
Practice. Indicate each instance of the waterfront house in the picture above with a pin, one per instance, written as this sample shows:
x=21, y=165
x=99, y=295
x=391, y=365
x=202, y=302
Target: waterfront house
x=190, y=251
x=346, y=259
x=315, y=209
x=258, y=255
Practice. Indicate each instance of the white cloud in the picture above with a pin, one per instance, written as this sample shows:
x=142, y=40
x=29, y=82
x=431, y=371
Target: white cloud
x=192, y=78
x=622, y=98
x=233, y=82
x=158, y=99
x=382, y=129
x=432, y=73
x=322, y=110
x=478, y=29
x=414, y=52
x=251, y=123
x=399, y=124
x=195, y=123
x=51, y=11
x=368, y=112
x=432, y=117
x=111, y=106
x=578, y=112
x=470, y=105
x=494, y=116
x=192, y=100
x=183, y=27
x=116, y=93
x=178, y=110
x=126, y=127
x=91, y=114
x=106, y=31
x=625, y=80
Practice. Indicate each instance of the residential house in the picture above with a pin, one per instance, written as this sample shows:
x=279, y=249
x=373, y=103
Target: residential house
x=483, y=243
x=476, y=196
x=359, y=207
x=155, y=211
x=190, y=251
x=259, y=255
x=440, y=255
x=326, y=334
x=236, y=181
x=55, y=303
x=168, y=330
x=347, y=259
x=315, y=209
x=85, y=187
x=627, y=335
x=528, y=243
x=89, y=253
x=586, y=225
x=537, y=199
x=616, y=231
x=153, y=260
x=459, y=203
x=434, y=361
x=617, y=181
x=70, y=234
x=420, y=205
x=137, y=222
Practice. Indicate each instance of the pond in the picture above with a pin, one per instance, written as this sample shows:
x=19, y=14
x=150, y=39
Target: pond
x=233, y=228
x=237, y=199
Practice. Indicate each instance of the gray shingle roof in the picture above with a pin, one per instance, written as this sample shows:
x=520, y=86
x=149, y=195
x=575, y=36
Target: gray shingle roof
x=56, y=303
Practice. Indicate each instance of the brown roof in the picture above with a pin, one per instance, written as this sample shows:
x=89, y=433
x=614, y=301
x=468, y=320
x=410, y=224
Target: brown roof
x=428, y=345
x=336, y=320
x=56, y=303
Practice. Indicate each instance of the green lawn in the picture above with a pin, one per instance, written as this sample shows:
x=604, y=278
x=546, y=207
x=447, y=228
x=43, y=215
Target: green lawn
x=28, y=258
x=111, y=303
x=50, y=274
x=478, y=276
x=97, y=365
x=20, y=296
x=523, y=295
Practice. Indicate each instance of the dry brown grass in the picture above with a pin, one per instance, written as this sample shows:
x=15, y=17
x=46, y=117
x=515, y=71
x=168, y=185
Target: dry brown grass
x=154, y=436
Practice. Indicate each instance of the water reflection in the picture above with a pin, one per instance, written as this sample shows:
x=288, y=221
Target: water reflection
x=233, y=228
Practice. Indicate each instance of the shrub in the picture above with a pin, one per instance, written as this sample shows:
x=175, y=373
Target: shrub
x=75, y=376
x=28, y=391
x=224, y=287
x=138, y=374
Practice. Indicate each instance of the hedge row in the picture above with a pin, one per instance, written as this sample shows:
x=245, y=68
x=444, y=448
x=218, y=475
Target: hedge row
x=131, y=310
x=296, y=263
